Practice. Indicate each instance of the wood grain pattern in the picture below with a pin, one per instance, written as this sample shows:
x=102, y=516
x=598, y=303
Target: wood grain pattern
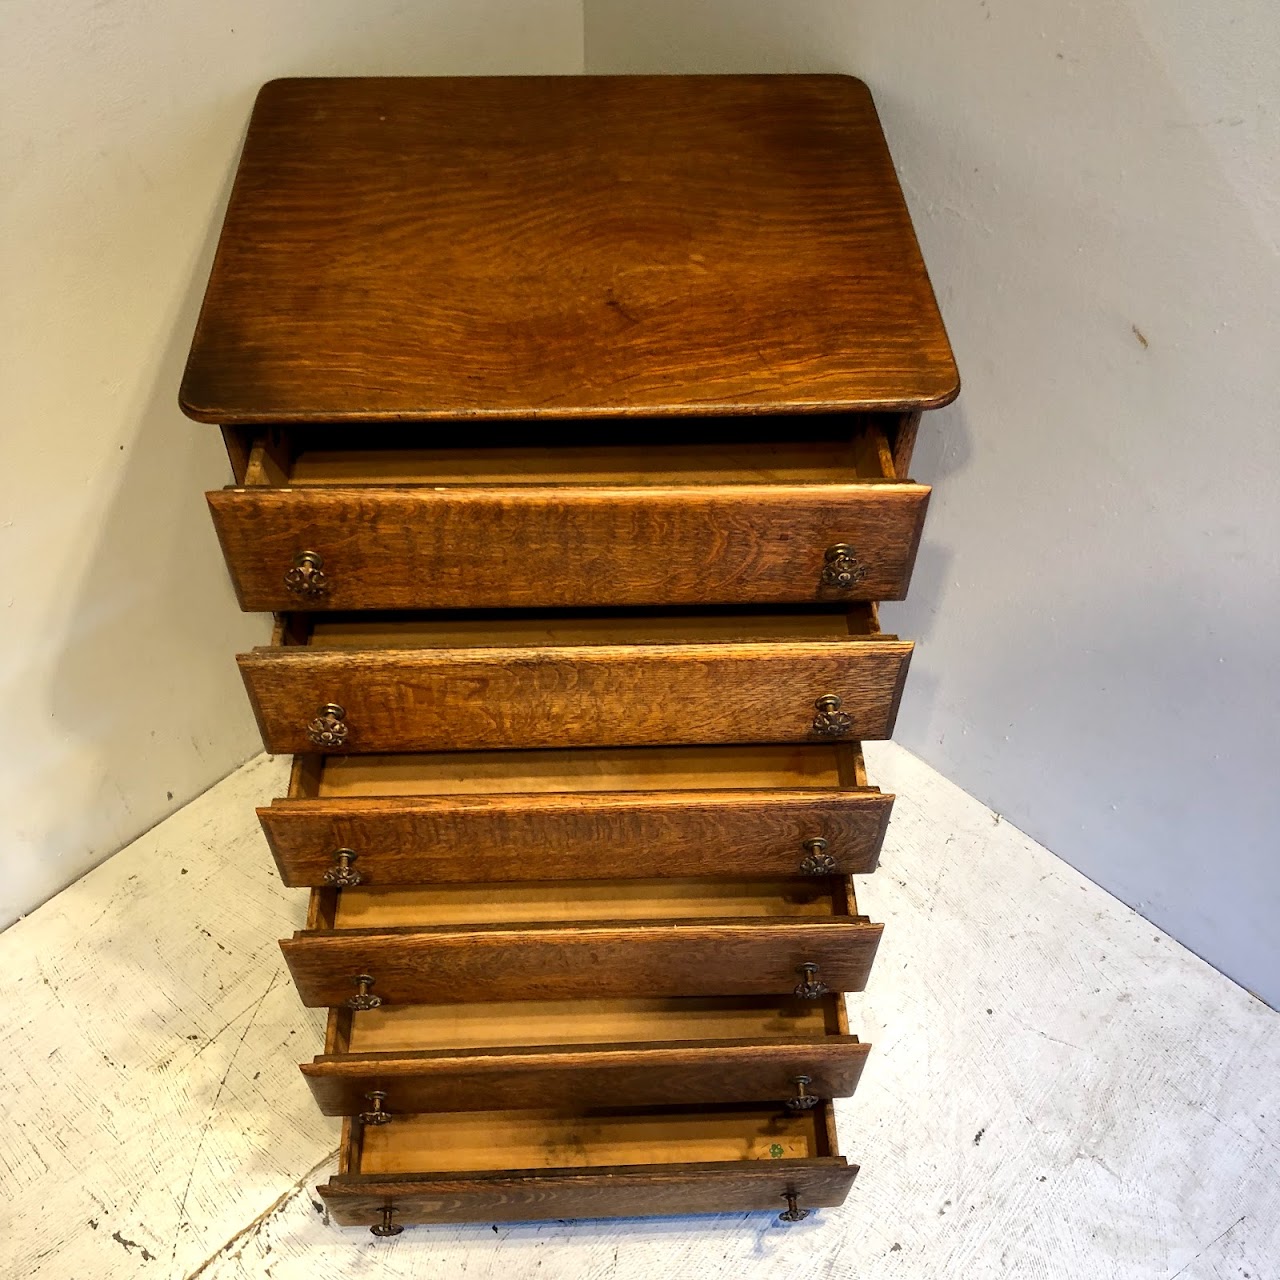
x=572, y=696
x=620, y=1192
x=587, y=1076
x=551, y=961
x=575, y=836
x=565, y=246
x=527, y=1024
x=393, y=548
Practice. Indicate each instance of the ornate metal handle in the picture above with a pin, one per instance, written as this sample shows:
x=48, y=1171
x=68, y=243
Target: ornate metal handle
x=792, y=1213
x=817, y=862
x=363, y=998
x=830, y=721
x=810, y=986
x=307, y=577
x=329, y=728
x=802, y=1099
x=388, y=1228
x=842, y=568
x=342, y=875
x=376, y=1115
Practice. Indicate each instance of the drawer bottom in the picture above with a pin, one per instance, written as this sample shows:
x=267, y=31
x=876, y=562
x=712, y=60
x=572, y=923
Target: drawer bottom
x=530, y=1165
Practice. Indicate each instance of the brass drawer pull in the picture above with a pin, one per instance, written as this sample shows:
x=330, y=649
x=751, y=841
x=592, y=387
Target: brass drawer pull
x=802, y=1099
x=342, y=875
x=842, y=568
x=307, y=577
x=388, y=1228
x=376, y=1115
x=329, y=728
x=810, y=986
x=817, y=862
x=830, y=721
x=792, y=1213
x=363, y=998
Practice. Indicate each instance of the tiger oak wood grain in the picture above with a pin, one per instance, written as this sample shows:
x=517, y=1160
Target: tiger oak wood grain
x=442, y=248
x=551, y=961
x=415, y=548
x=587, y=1075
x=581, y=835
x=571, y=696
x=619, y=1192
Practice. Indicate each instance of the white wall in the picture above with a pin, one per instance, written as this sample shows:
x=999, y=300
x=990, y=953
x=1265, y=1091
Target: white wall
x=1097, y=191
x=120, y=124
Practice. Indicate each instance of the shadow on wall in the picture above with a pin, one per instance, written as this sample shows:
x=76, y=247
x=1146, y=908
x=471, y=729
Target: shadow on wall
x=147, y=656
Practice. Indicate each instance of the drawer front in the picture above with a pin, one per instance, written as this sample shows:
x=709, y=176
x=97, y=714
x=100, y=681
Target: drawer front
x=554, y=962
x=588, y=1076
x=594, y=835
x=557, y=547
x=601, y=695
x=617, y=1192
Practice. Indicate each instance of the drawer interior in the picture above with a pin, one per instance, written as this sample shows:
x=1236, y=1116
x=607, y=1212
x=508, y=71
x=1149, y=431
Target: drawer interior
x=617, y=453
x=578, y=901
x=540, y=1023
x=618, y=769
x=524, y=629
x=477, y=1141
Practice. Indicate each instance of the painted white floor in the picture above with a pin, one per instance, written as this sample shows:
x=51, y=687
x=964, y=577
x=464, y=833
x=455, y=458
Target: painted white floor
x=1055, y=1090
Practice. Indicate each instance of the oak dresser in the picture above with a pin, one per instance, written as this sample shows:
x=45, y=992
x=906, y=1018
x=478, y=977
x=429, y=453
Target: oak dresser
x=570, y=421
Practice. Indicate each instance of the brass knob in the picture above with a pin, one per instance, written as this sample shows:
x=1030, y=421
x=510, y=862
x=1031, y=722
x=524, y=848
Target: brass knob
x=363, y=998
x=831, y=722
x=386, y=1227
x=342, y=875
x=793, y=1212
x=307, y=577
x=817, y=862
x=842, y=568
x=329, y=728
x=810, y=986
x=802, y=1099
x=376, y=1115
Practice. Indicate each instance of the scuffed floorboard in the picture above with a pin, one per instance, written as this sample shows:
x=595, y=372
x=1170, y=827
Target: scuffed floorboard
x=1055, y=1090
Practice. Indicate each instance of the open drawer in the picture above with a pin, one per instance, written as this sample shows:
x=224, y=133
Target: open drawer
x=592, y=813
x=415, y=682
x=520, y=1165
x=704, y=511
x=557, y=940
x=385, y=1063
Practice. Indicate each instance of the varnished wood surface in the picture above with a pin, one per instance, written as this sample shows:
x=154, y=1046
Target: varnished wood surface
x=571, y=696
x=565, y=246
x=553, y=961
x=587, y=1076
x=453, y=817
x=622, y=1192
x=391, y=548
x=605, y=834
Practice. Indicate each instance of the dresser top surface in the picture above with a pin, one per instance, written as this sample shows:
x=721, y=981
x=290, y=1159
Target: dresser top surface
x=561, y=247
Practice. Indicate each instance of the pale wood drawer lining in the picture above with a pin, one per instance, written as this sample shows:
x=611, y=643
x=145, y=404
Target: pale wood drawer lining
x=649, y=455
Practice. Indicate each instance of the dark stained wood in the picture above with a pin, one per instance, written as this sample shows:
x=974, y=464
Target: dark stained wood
x=523, y=247
x=403, y=548
x=619, y=1192
x=575, y=836
x=575, y=695
x=560, y=961
x=587, y=1075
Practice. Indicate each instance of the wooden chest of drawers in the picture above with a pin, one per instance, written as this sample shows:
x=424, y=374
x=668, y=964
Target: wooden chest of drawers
x=570, y=422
